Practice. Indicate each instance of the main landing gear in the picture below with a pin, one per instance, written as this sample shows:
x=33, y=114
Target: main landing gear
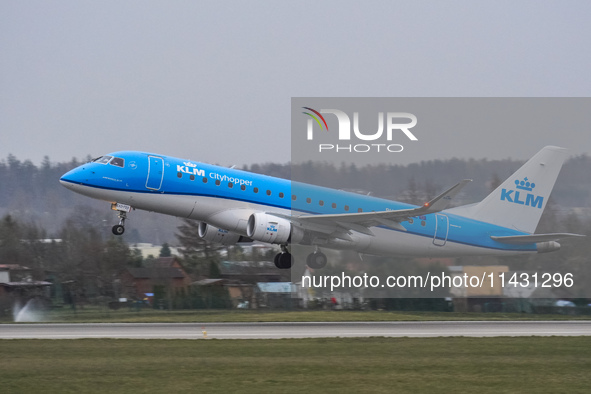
x=283, y=260
x=122, y=210
x=316, y=260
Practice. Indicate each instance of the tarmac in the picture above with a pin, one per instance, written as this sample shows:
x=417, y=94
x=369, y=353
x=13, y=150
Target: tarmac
x=295, y=330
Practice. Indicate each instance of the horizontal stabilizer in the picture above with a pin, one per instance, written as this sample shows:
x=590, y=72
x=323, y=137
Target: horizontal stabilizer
x=534, y=238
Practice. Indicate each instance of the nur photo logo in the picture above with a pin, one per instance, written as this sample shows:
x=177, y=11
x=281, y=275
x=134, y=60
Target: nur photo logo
x=391, y=126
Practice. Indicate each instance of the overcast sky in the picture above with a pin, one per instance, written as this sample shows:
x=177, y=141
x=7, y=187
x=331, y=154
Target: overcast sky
x=212, y=81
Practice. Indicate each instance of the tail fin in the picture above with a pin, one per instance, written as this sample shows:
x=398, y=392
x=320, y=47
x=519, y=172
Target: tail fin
x=518, y=202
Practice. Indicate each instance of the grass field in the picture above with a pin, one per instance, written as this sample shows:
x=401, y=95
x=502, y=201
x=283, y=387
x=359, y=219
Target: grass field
x=98, y=315
x=483, y=365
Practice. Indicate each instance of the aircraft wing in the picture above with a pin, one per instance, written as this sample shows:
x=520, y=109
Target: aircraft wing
x=534, y=238
x=362, y=221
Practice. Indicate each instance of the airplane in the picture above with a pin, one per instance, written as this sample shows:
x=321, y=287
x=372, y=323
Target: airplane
x=235, y=206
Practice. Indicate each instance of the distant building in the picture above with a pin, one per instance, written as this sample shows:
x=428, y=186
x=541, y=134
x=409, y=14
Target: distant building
x=166, y=272
x=490, y=287
x=147, y=250
x=242, y=277
x=250, y=271
x=18, y=286
x=275, y=294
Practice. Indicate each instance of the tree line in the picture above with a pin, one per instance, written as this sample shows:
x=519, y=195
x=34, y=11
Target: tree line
x=52, y=230
x=32, y=193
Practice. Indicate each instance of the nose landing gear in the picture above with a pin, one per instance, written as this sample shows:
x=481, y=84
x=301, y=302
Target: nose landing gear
x=119, y=229
x=122, y=210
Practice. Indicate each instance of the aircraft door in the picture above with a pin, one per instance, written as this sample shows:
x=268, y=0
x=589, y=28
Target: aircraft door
x=441, y=229
x=155, y=173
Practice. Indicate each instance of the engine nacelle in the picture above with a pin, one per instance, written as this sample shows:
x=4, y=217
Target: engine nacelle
x=271, y=229
x=213, y=234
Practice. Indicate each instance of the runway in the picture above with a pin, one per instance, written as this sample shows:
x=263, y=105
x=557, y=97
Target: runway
x=295, y=330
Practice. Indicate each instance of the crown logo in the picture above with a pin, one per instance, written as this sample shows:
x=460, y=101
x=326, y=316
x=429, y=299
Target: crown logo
x=525, y=184
x=190, y=165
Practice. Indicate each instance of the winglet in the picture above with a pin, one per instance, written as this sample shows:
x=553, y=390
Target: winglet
x=442, y=201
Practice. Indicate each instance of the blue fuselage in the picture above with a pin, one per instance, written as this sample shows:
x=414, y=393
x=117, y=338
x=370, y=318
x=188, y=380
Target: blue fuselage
x=218, y=195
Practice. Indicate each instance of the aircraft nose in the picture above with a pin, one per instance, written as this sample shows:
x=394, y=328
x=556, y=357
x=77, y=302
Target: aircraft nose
x=74, y=177
x=66, y=183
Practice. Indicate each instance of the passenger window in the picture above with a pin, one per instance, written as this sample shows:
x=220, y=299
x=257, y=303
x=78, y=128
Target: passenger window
x=242, y=187
x=192, y=177
x=281, y=195
x=204, y=180
x=230, y=185
x=294, y=197
x=321, y=203
x=423, y=223
x=334, y=205
x=117, y=161
x=308, y=200
x=256, y=190
x=179, y=174
x=411, y=221
x=268, y=192
x=217, y=182
x=346, y=207
x=359, y=210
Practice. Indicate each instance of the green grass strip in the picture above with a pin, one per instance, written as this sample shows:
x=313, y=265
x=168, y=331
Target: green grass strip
x=379, y=365
x=104, y=315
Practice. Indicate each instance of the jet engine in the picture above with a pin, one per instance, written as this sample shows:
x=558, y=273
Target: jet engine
x=272, y=229
x=213, y=234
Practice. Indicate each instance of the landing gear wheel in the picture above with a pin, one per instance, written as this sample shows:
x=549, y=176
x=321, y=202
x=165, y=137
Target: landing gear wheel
x=283, y=260
x=316, y=260
x=118, y=229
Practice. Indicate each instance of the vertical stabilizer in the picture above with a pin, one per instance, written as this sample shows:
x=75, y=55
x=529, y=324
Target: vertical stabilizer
x=519, y=201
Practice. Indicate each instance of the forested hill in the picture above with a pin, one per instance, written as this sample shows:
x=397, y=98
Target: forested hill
x=415, y=182
x=33, y=194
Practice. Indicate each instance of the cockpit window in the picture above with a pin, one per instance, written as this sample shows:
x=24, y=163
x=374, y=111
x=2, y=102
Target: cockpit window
x=103, y=159
x=117, y=161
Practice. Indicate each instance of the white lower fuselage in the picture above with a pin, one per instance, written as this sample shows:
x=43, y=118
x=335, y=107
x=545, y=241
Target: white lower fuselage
x=232, y=215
